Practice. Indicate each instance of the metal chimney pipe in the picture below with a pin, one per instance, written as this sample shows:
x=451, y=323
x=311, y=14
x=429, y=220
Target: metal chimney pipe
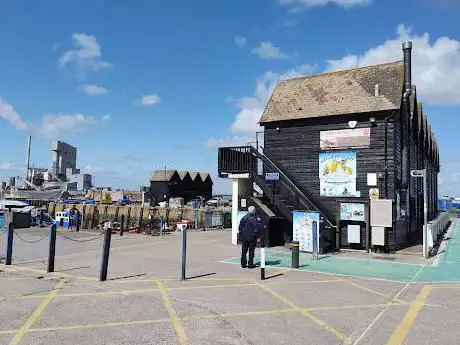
x=28, y=177
x=407, y=49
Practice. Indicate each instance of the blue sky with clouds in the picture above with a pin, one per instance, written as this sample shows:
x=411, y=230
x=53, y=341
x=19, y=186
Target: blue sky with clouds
x=137, y=86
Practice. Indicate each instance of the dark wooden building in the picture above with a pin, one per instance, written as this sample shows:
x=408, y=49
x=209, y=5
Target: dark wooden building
x=184, y=184
x=329, y=134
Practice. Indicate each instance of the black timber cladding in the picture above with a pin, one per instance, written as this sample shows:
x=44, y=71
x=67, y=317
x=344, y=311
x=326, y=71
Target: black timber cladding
x=184, y=184
x=295, y=148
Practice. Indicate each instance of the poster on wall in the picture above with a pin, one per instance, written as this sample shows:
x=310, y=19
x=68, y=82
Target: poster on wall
x=344, y=188
x=345, y=138
x=349, y=211
x=337, y=173
x=306, y=230
x=337, y=165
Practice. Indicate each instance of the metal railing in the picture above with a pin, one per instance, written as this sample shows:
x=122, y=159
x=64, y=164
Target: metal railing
x=235, y=160
x=304, y=199
x=435, y=229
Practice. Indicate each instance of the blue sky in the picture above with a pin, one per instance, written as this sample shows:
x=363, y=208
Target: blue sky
x=137, y=86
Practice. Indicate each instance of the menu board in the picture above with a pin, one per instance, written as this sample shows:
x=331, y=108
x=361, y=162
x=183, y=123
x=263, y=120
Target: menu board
x=306, y=230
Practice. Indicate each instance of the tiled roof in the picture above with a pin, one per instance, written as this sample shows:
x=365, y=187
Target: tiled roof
x=182, y=174
x=162, y=175
x=166, y=175
x=336, y=93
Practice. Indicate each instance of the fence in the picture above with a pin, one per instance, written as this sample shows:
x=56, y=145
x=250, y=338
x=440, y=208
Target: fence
x=436, y=228
x=136, y=216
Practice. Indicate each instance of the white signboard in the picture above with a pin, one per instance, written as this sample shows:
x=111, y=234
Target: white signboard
x=306, y=230
x=345, y=138
x=272, y=176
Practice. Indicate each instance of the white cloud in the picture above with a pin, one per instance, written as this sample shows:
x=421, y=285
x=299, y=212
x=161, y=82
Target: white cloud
x=92, y=89
x=313, y=3
x=251, y=108
x=435, y=64
x=57, y=125
x=229, y=141
x=5, y=166
x=106, y=117
x=8, y=113
x=241, y=41
x=91, y=169
x=51, y=125
x=266, y=50
x=85, y=57
x=148, y=100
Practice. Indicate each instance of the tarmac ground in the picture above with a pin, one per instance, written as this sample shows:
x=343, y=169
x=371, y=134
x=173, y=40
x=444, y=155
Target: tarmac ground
x=144, y=301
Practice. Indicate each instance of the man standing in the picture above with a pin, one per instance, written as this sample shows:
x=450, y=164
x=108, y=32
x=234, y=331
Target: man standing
x=249, y=231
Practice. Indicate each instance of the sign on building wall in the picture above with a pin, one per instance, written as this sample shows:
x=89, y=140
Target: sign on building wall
x=306, y=230
x=345, y=138
x=349, y=211
x=374, y=193
x=337, y=173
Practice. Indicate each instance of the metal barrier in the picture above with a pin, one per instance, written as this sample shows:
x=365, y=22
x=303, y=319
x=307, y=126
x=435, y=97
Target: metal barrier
x=436, y=228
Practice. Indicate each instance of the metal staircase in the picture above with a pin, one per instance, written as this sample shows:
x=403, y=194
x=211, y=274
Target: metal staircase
x=285, y=195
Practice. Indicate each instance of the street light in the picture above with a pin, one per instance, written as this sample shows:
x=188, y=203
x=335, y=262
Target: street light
x=422, y=174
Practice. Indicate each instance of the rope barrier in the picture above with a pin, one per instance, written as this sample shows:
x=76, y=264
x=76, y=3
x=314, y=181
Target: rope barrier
x=31, y=242
x=87, y=240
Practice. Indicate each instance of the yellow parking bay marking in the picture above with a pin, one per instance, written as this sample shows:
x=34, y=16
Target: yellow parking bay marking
x=400, y=333
x=308, y=314
x=200, y=317
x=175, y=320
x=36, y=314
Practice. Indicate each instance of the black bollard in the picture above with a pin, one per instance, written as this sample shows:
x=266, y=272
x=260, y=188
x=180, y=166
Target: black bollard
x=52, y=249
x=184, y=252
x=295, y=254
x=105, y=254
x=9, y=244
x=122, y=224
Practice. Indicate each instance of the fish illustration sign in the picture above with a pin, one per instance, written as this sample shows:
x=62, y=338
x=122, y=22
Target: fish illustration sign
x=337, y=173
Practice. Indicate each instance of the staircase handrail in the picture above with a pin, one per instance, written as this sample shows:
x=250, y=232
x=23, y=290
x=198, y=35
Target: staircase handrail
x=291, y=185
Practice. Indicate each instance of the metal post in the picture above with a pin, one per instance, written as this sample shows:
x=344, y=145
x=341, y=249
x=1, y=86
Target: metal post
x=52, y=249
x=105, y=254
x=425, y=215
x=9, y=244
x=184, y=251
x=315, y=226
x=262, y=261
x=122, y=225
x=295, y=254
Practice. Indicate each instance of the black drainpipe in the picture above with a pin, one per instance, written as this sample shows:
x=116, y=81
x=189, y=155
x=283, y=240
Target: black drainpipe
x=407, y=48
x=387, y=119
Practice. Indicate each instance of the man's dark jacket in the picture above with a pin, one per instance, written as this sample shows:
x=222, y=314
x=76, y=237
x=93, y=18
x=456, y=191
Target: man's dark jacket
x=249, y=228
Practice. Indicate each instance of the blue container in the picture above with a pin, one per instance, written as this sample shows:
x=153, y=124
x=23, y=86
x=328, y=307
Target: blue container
x=2, y=220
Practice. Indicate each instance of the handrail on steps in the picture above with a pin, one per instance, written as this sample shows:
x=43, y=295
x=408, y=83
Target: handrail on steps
x=292, y=184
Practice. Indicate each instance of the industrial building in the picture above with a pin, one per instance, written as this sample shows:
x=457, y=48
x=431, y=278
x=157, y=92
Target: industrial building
x=65, y=167
x=183, y=184
x=336, y=139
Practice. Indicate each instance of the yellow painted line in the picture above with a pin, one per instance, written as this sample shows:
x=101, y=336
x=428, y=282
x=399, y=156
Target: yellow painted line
x=175, y=320
x=400, y=333
x=36, y=314
x=309, y=315
x=362, y=306
x=99, y=325
x=54, y=274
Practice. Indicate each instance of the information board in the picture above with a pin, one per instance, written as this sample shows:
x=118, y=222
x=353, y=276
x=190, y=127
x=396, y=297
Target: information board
x=306, y=230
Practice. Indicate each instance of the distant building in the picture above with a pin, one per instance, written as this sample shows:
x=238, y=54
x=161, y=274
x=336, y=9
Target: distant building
x=184, y=184
x=80, y=182
x=64, y=159
x=65, y=167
